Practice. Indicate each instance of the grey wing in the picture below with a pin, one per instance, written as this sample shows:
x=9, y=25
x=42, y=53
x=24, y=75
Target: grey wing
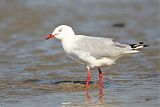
x=101, y=47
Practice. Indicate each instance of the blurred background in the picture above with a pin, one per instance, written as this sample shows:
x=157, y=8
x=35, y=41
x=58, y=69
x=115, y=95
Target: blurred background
x=29, y=65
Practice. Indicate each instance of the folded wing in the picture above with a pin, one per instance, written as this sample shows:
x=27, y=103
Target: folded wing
x=101, y=47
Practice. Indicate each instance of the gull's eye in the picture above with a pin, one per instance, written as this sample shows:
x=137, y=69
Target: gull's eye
x=60, y=30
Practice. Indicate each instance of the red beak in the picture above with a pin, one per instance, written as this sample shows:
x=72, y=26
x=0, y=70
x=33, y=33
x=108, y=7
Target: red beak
x=49, y=36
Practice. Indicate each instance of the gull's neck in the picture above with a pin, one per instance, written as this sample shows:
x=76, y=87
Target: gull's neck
x=68, y=42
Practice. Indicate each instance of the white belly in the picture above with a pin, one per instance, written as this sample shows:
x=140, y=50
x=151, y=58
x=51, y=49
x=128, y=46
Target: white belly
x=92, y=63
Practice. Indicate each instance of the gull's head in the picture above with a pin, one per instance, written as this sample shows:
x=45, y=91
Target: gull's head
x=61, y=32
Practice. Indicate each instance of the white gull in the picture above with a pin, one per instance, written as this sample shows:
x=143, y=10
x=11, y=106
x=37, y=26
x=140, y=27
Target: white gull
x=92, y=51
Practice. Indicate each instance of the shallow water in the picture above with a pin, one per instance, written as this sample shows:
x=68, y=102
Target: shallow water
x=30, y=66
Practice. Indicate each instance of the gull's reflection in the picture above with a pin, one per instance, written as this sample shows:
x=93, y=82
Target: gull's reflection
x=91, y=100
x=100, y=96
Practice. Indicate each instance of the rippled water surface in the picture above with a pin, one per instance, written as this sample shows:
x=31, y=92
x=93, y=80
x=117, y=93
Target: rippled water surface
x=36, y=73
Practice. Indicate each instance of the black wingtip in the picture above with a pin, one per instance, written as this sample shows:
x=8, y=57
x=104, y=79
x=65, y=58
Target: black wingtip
x=134, y=46
x=141, y=42
x=145, y=45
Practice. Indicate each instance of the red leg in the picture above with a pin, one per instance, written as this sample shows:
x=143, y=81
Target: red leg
x=88, y=77
x=88, y=98
x=100, y=76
